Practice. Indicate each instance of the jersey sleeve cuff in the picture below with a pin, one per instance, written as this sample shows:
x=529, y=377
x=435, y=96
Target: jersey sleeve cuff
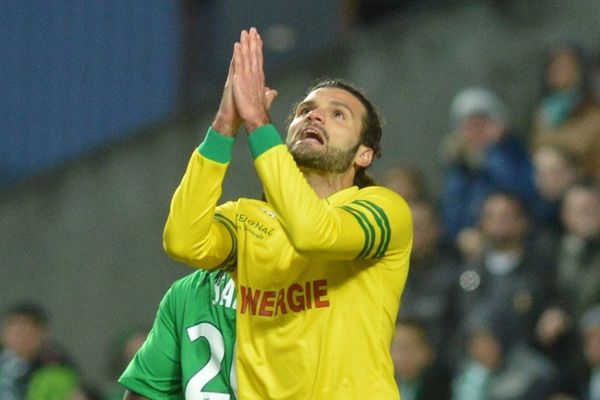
x=262, y=139
x=217, y=147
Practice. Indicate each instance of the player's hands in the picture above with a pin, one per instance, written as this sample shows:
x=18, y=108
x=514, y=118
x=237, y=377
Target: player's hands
x=252, y=97
x=227, y=121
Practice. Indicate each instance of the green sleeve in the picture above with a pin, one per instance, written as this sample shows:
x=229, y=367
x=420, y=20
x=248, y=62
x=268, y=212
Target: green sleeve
x=155, y=371
x=217, y=147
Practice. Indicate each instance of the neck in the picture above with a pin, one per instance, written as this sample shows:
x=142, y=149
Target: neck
x=326, y=183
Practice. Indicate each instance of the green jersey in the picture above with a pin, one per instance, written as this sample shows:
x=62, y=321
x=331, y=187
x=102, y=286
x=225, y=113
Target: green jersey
x=189, y=352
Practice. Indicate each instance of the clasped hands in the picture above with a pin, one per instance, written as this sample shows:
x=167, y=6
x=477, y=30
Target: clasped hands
x=246, y=99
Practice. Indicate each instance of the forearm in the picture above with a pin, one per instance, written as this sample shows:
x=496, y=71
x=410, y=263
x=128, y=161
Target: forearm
x=190, y=232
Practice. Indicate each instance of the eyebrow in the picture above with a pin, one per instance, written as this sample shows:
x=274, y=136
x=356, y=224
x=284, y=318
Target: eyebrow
x=305, y=103
x=336, y=103
x=342, y=105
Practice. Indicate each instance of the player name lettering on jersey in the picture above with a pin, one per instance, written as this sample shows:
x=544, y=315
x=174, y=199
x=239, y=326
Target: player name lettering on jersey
x=295, y=298
x=225, y=297
x=254, y=227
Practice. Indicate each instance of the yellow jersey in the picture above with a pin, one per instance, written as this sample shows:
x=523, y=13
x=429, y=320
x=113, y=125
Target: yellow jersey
x=318, y=281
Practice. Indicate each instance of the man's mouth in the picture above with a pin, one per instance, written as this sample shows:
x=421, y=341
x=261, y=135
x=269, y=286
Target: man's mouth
x=312, y=134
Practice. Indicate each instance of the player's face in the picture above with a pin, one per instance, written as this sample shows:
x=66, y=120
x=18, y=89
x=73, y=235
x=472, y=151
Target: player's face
x=324, y=134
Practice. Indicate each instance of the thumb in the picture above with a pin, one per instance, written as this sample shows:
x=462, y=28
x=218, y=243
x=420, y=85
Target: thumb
x=270, y=95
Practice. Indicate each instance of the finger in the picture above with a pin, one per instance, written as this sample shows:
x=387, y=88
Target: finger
x=258, y=55
x=260, y=49
x=253, y=47
x=231, y=70
x=237, y=59
x=244, y=47
x=270, y=96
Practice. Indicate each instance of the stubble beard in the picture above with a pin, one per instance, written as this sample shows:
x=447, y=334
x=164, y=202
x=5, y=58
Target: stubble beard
x=331, y=159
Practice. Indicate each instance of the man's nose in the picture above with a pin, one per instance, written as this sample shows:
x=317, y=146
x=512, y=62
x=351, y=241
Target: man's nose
x=316, y=114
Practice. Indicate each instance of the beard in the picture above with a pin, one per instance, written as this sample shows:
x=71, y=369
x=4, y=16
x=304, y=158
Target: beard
x=332, y=159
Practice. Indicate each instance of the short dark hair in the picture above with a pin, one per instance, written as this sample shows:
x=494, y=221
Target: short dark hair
x=371, y=125
x=33, y=311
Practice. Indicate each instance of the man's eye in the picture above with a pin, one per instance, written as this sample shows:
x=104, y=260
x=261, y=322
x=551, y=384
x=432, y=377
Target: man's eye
x=303, y=110
x=339, y=114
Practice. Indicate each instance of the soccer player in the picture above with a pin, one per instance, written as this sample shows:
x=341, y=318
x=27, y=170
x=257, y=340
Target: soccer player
x=321, y=264
x=190, y=349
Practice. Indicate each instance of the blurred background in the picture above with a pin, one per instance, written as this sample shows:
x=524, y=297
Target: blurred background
x=103, y=102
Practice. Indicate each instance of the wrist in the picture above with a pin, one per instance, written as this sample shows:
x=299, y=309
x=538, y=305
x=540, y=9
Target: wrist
x=226, y=126
x=262, y=139
x=217, y=147
x=254, y=123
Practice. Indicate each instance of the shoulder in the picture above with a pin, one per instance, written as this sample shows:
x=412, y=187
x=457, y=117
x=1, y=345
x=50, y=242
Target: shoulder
x=198, y=279
x=388, y=210
x=379, y=191
x=387, y=199
x=191, y=280
x=183, y=289
x=233, y=207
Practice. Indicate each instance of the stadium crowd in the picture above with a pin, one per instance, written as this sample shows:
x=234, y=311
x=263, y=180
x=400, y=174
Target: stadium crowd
x=503, y=296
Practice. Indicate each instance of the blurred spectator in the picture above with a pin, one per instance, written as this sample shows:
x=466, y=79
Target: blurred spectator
x=590, y=330
x=587, y=381
x=568, y=114
x=126, y=348
x=500, y=365
x=577, y=280
x=483, y=155
x=595, y=77
x=31, y=368
x=85, y=392
x=578, y=277
x=419, y=374
x=430, y=287
x=556, y=169
x=506, y=267
x=408, y=181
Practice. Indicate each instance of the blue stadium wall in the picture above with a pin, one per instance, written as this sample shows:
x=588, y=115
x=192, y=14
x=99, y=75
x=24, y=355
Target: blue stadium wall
x=76, y=75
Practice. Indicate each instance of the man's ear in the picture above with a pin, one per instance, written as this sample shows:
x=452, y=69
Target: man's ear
x=364, y=156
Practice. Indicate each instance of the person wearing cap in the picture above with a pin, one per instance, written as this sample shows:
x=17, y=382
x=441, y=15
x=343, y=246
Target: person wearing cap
x=482, y=155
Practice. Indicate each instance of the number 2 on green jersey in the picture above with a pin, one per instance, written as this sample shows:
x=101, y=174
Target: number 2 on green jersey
x=214, y=337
